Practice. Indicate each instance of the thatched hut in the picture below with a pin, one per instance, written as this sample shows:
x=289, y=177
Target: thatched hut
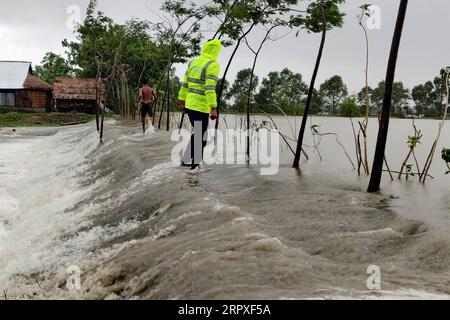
x=78, y=94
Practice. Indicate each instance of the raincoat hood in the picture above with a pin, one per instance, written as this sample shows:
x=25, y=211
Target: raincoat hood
x=212, y=48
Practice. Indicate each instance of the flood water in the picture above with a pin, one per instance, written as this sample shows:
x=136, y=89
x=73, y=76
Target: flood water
x=140, y=227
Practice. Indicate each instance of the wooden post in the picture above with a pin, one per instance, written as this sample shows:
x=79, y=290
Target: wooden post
x=97, y=102
x=168, y=99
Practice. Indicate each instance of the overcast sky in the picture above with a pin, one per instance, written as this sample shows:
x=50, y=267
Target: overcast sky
x=29, y=29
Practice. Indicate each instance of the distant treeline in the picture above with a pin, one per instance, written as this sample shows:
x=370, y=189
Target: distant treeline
x=286, y=92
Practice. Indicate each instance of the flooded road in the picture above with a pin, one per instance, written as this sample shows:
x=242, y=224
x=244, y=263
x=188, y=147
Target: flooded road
x=137, y=226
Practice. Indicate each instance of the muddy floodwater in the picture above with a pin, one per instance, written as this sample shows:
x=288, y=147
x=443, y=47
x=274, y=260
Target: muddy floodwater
x=134, y=225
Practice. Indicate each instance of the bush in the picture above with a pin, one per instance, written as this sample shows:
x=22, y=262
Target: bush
x=12, y=116
x=349, y=108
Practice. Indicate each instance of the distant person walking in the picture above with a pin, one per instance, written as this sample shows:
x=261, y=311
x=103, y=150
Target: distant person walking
x=198, y=99
x=147, y=96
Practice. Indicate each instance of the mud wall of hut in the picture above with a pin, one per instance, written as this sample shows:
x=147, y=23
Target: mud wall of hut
x=39, y=100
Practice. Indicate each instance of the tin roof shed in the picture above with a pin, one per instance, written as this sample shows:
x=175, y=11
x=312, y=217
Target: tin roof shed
x=13, y=74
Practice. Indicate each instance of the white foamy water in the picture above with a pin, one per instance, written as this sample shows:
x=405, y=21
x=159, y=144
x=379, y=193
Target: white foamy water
x=138, y=226
x=41, y=184
x=42, y=227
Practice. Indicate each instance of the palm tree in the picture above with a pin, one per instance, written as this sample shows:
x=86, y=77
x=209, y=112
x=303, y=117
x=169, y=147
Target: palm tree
x=377, y=168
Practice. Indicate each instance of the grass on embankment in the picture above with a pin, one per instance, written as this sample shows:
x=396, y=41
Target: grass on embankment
x=32, y=119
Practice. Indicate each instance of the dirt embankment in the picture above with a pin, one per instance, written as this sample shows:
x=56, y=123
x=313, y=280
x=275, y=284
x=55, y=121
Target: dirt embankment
x=34, y=119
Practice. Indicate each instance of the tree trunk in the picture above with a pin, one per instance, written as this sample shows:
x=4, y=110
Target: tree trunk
x=168, y=99
x=311, y=89
x=248, y=107
x=219, y=98
x=377, y=168
x=162, y=109
x=97, y=102
x=102, y=122
x=429, y=161
x=126, y=95
x=118, y=104
x=366, y=123
x=405, y=162
x=249, y=94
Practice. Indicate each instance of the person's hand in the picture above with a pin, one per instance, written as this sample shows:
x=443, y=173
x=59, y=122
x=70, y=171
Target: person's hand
x=213, y=114
x=181, y=105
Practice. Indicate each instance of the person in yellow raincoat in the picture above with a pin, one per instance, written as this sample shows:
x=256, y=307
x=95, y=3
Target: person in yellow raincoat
x=197, y=97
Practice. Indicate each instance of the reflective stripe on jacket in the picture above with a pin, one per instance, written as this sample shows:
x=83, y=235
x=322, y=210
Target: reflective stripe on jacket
x=199, y=86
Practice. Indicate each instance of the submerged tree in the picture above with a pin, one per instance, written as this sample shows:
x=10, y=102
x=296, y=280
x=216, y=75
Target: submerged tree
x=377, y=169
x=413, y=141
x=428, y=98
x=365, y=12
x=445, y=74
x=242, y=86
x=285, y=90
x=400, y=98
x=349, y=108
x=241, y=17
x=333, y=93
x=253, y=82
x=323, y=16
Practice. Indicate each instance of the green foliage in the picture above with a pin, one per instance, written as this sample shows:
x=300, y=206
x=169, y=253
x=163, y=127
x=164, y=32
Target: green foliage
x=236, y=14
x=315, y=129
x=316, y=103
x=11, y=116
x=284, y=89
x=239, y=89
x=181, y=39
x=409, y=171
x=224, y=103
x=414, y=140
x=25, y=118
x=400, y=99
x=103, y=45
x=333, y=92
x=258, y=126
x=52, y=67
x=361, y=97
x=124, y=54
x=429, y=98
x=312, y=22
x=365, y=12
x=349, y=108
x=445, y=72
x=446, y=155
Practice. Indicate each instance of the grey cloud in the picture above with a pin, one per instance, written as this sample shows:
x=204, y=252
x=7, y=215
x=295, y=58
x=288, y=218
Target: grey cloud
x=35, y=27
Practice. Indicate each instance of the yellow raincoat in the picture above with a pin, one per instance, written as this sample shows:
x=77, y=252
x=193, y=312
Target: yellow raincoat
x=199, y=86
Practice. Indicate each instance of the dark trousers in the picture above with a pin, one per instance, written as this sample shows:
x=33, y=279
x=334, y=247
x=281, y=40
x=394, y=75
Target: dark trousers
x=194, y=152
